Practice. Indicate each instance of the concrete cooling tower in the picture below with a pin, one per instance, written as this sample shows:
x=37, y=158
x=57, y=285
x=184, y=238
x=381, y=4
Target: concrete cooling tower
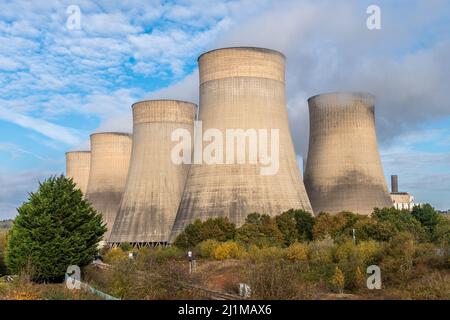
x=243, y=88
x=110, y=158
x=343, y=170
x=155, y=183
x=77, y=167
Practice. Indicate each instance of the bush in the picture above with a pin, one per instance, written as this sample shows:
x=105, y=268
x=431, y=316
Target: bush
x=337, y=226
x=287, y=225
x=402, y=220
x=228, y=250
x=125, y=246
x=305, y=224
x=3, y=243
x=257, y=254
x=321, y=252
x=297, y=252
x=115, y=255
x=259, y=230
x=55, y=228
x=207, y=247
x=276, y=279
x=338, y=280
x=220, y=229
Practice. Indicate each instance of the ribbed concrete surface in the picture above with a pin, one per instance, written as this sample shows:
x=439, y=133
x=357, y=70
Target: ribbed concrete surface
x=343, y=170
x=242, y=88
x=155, y=184
x=110, y=158
x=78, y=164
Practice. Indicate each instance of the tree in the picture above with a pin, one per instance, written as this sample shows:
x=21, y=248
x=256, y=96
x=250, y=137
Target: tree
x=55, y=228
x=436, y=225
x=402, y=220
x=220, y=229
x=288, y=226
x=260, y=230
x=305, y=224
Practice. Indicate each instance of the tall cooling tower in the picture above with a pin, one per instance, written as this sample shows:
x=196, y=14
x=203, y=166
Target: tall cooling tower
x=242, y=88
x=110, y=158
x=77, y=167
x=155, y=183
x=343, y=170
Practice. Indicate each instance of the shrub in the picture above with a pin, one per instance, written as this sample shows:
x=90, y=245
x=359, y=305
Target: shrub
x=297, y=252
x=228, y=250
x=321, y=252
x=338, y=280
x=257, y=254
x=3, y=243
x=305, y=224
x=275, y=279
x=125, y=246
x=336, y=226
x=55, y=228
x=259, y=230
x=115, y=255
x=287, y=225
x=207, y=247
x=398, y=258
x=220, y=229
x=402, y=220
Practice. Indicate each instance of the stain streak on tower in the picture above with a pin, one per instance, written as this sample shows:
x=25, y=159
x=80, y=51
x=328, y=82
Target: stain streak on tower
x=343, y=170
x=77, y=167
x=155, y=183
x=242, y=88
x=110, y=158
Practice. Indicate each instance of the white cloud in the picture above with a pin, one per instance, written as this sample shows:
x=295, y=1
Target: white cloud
x=53, y=131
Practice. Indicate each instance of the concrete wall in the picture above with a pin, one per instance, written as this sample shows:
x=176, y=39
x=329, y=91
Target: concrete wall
x=242, y=88
x=343, y=170
x=78, y=164
x=110, y=158
x=155, y=184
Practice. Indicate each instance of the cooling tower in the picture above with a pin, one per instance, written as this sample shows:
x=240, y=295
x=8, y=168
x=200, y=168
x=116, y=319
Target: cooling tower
x=343, y=170
x=155, y=183
x=77, y=167
x=110, y=158
x=242, y=88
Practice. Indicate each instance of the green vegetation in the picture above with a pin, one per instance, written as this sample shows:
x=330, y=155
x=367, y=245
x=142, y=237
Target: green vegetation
x=55, y=228
x=424, y=223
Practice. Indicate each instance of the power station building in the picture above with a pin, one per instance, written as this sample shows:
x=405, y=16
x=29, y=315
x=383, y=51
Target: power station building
x=155, y=181
x=401, y=200
x=343, y=169
x=240, y=154
x=78, y=165
x=110, y=158
x=242, y=88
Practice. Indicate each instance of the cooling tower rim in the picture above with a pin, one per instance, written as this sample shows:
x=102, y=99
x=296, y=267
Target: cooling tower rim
x=78, y=151
x=113, y=133
x=361, y=94
x=164, y=100
x=266, y=50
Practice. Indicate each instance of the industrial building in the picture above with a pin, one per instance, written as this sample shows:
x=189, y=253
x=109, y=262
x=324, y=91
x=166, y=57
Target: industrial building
x=155, y=183
x=343, y=169
x=242, y=88
x=110, y=158
x=147, y=199
x=78, y=164
x=401, y=200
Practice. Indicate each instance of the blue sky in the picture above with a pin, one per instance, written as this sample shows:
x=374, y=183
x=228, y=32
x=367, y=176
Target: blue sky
x=58, y=85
